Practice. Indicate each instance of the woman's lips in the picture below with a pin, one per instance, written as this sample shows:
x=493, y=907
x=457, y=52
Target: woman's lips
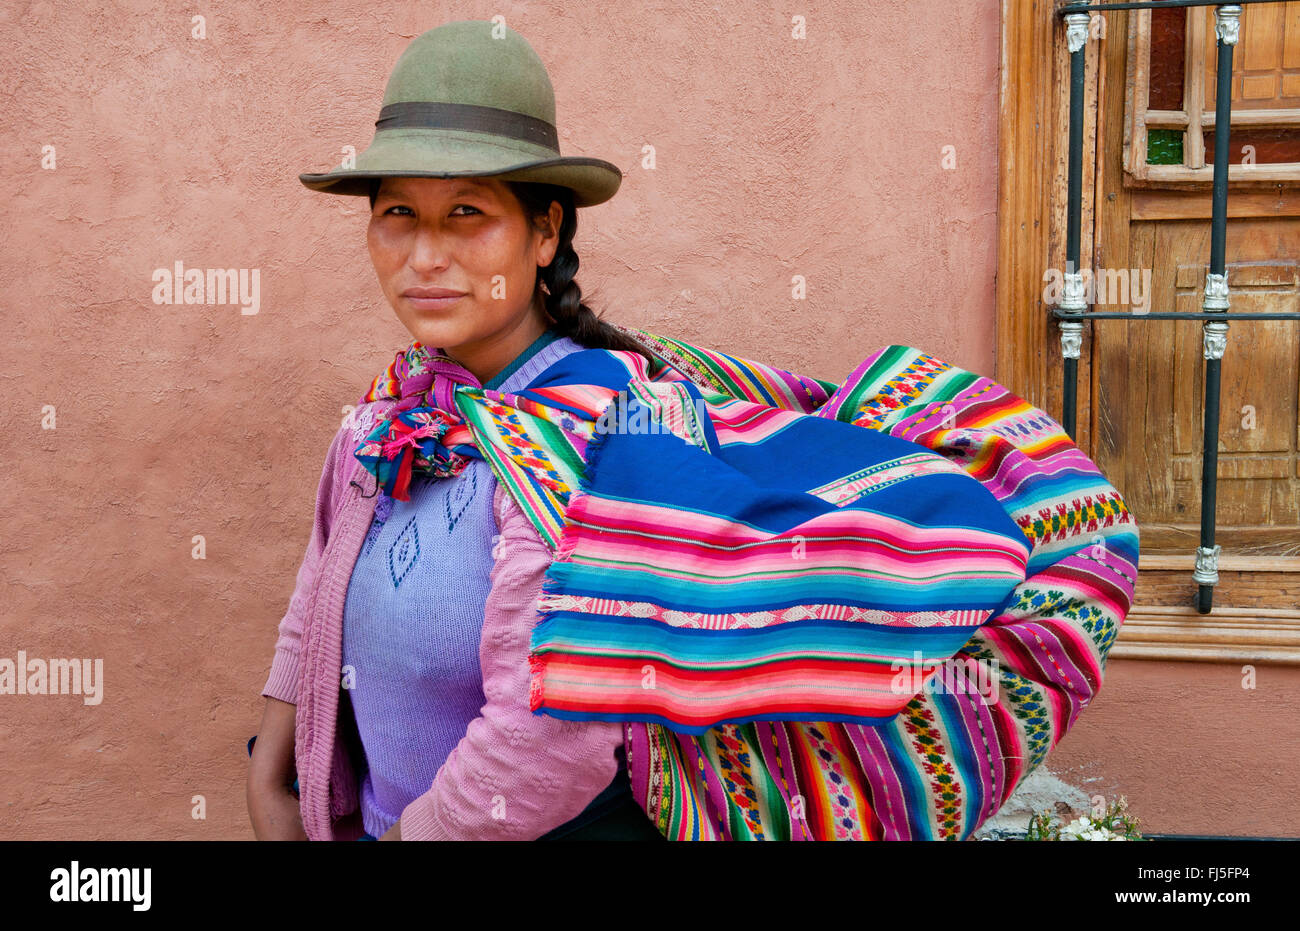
x=431, y=298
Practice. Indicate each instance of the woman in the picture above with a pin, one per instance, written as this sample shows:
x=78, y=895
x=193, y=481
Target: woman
x=461, y=261
x=539, y=636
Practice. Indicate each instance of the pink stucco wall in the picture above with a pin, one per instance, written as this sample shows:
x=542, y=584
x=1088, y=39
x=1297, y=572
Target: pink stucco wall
x=1193, y=750
x=821, y=157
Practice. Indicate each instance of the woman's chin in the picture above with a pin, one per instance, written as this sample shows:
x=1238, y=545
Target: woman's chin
x=435, y=335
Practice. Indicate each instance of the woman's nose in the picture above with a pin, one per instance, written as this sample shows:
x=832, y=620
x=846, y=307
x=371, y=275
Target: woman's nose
x=429, y=250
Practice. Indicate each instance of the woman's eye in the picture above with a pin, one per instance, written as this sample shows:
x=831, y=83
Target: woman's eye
x=404, y=211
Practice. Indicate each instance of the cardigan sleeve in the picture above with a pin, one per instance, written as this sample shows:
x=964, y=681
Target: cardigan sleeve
x=282, y=683
x=515, y=775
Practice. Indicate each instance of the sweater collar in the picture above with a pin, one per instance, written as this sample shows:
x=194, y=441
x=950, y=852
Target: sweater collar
x=549, y=335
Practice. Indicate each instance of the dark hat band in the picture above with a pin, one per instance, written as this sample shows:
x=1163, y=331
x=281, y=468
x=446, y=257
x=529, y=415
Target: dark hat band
x=471, y=117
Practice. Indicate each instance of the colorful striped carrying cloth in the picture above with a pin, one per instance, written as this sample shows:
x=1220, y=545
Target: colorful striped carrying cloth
x=811, y=630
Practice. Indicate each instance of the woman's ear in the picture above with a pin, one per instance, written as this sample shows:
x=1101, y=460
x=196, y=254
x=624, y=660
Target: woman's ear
x=550, y=232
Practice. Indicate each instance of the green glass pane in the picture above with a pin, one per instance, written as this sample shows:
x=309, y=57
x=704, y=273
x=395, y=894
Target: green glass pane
x=1164, y=147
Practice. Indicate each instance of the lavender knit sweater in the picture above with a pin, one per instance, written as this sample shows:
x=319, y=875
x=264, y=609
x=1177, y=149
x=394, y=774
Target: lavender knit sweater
x=513, y=775
x=414, y=617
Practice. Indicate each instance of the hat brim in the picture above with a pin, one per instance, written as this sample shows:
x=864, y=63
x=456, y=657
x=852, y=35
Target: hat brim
x=428, y=153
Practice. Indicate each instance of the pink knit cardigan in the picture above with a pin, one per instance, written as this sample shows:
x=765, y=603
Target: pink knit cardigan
x=514, y=775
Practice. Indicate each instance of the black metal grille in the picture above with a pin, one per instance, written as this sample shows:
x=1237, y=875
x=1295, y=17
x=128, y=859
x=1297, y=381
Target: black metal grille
x=1071, y=313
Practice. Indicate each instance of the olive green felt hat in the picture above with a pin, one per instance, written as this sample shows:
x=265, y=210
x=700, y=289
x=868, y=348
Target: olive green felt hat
x=470, y=98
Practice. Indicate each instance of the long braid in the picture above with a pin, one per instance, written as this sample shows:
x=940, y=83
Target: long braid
x=562, y=295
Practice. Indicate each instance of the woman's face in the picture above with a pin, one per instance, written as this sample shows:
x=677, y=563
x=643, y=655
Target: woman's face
x=467, y=239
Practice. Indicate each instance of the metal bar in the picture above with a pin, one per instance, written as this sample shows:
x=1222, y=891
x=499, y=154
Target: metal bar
x=1172, y=315
x=1227, y=19
x=1154, y=5
x=1072, y=301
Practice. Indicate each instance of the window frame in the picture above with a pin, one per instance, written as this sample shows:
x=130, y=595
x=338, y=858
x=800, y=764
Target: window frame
x=1194, y=119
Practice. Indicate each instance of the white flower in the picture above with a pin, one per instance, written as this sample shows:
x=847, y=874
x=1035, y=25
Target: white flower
x=1077, y=827
x=1085, y=829
x=1100, y=833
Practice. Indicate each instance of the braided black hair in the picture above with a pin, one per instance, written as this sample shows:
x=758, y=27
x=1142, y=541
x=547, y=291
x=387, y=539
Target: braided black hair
x=562, y=297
